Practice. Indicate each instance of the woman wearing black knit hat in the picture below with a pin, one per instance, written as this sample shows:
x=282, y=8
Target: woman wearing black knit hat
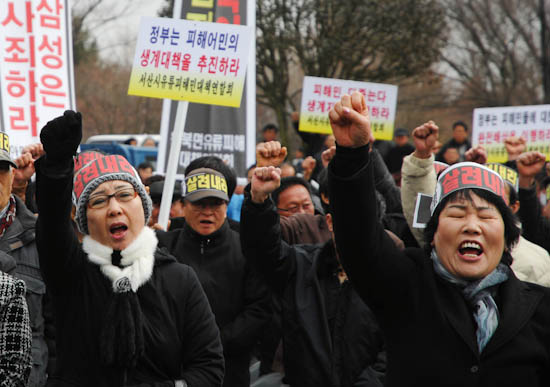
x=127, y=314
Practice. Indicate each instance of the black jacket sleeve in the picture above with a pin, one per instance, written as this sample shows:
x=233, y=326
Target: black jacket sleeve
x=385, y=184
x=243, y=332
x=203, y=364
x=262, y=244
x=535, y=227
x=380, y=273
x=56, y=239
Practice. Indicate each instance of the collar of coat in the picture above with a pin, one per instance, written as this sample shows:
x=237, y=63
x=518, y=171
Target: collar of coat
x=137, y=259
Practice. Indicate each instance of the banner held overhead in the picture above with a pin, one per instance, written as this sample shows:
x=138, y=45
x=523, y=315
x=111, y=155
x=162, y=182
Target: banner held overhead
x=320, y=94
x=191, y=61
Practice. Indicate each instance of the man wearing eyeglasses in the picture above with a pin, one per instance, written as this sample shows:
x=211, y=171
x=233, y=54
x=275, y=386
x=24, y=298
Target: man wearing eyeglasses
x=237, y=293
x=293, y=197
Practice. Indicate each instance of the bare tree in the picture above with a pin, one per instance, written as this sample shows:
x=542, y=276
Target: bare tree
x=499, y=50
x=355, y=39
x=102, y=85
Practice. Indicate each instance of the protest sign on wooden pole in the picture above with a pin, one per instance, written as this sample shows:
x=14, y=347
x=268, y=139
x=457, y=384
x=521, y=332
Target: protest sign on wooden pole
x=188, y=61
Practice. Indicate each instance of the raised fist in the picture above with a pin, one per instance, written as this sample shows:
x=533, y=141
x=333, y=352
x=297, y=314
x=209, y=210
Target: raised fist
x=62, y=135
x=529, y=164
x=514, y=147
x=424, y=139
x=265, y=180
x=349, y=119
x=270, y=154
x=476, y=155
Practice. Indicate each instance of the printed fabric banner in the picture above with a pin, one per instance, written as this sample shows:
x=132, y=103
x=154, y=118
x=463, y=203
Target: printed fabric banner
x=36, y=71
x=212, y=130
x=493, y=125
x=320, y=94
x=187, y=60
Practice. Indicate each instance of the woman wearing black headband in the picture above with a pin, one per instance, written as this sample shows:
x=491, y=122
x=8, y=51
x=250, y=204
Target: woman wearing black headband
x=452, y=316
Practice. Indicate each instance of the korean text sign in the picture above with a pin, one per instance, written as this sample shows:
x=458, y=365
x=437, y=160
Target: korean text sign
x=189, y=60
x=36, y=72
x=320, y=94
x=493, y=125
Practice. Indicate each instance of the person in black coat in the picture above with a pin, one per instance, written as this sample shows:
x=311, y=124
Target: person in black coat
x=459, y=141
x=536, y=228
x=452, y=316
x=330, y=337
x=238, y=295
x=126, y=313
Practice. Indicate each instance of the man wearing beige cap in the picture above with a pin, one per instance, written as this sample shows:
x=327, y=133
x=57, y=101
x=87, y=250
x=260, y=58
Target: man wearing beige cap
x=237, y=294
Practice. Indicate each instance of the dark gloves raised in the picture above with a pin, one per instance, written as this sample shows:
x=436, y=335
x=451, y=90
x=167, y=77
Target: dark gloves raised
x=61, y=136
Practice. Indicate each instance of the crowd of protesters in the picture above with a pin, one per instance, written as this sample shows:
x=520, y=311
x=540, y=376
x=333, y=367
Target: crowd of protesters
x=317, y=273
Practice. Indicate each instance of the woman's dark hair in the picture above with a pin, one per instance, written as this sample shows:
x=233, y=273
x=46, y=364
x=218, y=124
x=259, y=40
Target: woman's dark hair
x=512, y=193
x=511, y=230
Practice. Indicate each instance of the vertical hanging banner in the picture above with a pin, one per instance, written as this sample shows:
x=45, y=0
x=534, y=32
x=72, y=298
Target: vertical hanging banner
x=220, y=131
x=190, y=61
x=320, y=94
x=493, y=125
x=36, y=68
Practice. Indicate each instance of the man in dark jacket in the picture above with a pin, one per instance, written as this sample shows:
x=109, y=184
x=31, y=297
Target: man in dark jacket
x=536, y=228
x=459, y=141
x=17, y=239
x=238, y=295
x=330, y=337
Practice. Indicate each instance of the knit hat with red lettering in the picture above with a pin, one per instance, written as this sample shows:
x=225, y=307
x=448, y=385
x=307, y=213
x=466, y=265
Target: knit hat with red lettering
x=98, y=171
x=466, y=175
x=83, y=158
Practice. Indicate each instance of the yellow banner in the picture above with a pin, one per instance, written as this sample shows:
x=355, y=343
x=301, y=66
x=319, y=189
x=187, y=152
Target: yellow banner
x=192, y=87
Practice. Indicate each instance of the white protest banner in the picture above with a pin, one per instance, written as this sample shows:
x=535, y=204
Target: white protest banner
x=36, y=72
x=320, y=94
x=190, y=61
x=493, y=125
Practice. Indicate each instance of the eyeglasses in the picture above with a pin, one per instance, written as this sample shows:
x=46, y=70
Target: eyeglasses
x=121, y=196
x=296, y=208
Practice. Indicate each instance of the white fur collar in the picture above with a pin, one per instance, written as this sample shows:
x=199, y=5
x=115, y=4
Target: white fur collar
x=137, y=259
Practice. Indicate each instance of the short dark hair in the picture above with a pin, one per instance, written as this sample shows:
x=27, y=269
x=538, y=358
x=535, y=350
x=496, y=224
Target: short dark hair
x=287, y=182
x=145, y=165
x=251, y=167
x=216, y=164
x=512, y=193
x=322, y=179
x=511, y=231
x=460, y=123
x=270, y=127
x=151, y=179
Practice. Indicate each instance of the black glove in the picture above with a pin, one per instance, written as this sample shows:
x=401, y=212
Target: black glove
x=61, y=136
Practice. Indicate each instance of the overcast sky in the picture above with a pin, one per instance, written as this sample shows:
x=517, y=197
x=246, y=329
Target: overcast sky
x=117, y=38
